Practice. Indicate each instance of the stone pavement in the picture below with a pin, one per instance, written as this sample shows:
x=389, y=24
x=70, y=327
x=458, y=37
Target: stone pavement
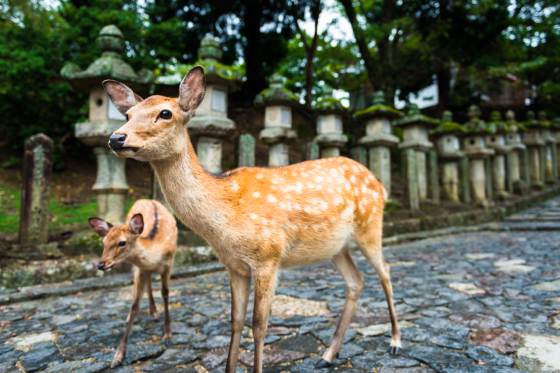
x=481, y=301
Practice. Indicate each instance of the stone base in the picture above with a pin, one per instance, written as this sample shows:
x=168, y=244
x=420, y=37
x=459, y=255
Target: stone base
x=485, y=203
x=521, y=187
x=35, y=251
x=502, y=195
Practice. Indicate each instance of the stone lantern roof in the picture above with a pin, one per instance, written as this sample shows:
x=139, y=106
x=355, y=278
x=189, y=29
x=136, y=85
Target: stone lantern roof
x=475, y=125
x=108, y=66
x=447, y=126
x=414, y=117
x=327, y=104
x=532, y=122
x=210, y=53
x=513, y=125
x=498, y=126
x=276, y=94
x=379, y=109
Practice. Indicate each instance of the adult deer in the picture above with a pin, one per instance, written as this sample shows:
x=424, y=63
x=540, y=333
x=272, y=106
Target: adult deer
x=258, y=220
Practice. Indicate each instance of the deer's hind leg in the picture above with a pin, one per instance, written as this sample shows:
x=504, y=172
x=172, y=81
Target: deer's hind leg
x=153, y=309
x=354, y=284
x=371, y=247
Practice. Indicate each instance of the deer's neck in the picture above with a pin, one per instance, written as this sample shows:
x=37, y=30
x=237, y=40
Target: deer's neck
x=196, y=197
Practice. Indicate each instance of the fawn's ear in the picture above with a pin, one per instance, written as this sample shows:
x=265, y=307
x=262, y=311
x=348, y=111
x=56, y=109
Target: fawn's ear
x=100, y=226
x=123, y=98
x=192, y=89
x=136, y=224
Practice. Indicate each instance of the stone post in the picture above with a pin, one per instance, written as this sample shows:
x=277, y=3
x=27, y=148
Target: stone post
x=359, y=154
x=246, y=151
x=433, y=182
x=104, y=118
x=210, y=122
x=330, y=114
x=378, y=137
x=447, y=136
x=474, y=147
x=416, y=127
x=549, y=150
x=310, y=151
x=37, y=170
x=277, y=133
x=555, y=132
x=517, y=157
x=465, y=185
x=534, y=142
x=410, y=178
x=496, y=139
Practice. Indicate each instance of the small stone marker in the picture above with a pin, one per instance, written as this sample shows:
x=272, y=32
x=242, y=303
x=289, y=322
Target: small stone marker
x=37, y=171
x=246, y=151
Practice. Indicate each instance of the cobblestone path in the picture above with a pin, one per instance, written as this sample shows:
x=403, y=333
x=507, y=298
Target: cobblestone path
x=484, y=301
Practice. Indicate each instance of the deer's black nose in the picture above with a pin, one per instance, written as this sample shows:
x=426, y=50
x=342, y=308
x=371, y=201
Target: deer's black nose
x=116, y=141
x=101, y=266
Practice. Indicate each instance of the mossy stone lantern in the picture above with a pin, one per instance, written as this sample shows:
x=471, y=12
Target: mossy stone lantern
x=447, y=136
x=550, y=156
x=210, y=121
x=496, y=139
x=532, y=138
x=518, y=161
x=379, y=137
x=110, y=185
x=416, y=127
x=474, y=147
x=278, y=103
x=330, y=115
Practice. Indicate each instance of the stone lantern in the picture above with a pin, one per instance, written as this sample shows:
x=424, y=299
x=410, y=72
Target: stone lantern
x=378, y=138
x=330, y=115
x=474, y=147
x=496, y=139
x=416, y=127
x=210, y=121
x=549, y=152
x=518, y=166
x=110, y=185
x=447, y=136
x=277, y=132
x=535, y=149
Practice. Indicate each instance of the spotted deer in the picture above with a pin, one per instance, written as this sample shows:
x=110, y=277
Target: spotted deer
x=148, y=241
x=259, y=220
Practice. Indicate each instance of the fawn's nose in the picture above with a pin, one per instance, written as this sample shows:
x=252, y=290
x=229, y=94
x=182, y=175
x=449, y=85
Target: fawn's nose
x=116, y=141
x=101, y=266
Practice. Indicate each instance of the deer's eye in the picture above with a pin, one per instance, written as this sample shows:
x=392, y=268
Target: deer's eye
x=122, y=243
x=126, y=117
x=165, y=114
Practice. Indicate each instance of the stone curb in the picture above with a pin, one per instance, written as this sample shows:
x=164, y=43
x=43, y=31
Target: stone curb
x=95, y=283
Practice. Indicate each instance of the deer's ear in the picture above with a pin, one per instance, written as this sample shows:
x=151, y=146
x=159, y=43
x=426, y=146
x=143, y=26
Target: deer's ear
x=100, y=226
x=123, y=98
x=192, y=89
x=136, y=224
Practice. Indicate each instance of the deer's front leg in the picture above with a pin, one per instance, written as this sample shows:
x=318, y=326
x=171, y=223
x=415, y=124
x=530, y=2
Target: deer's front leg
x=165, y=295
x=139, y=286
x=153, y=309
x=265, y=281
x=240, y=288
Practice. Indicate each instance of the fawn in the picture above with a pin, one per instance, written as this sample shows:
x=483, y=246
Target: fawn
x=150, y=250
x=258, y=220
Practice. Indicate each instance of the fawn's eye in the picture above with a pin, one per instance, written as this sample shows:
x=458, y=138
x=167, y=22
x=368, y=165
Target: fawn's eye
x=126, y=117
x=122, y=243
x=165, y=114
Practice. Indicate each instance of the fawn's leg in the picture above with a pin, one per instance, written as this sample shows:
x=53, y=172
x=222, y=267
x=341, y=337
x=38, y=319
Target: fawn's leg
x=240, y=288
x=371, y=248
x=135, y=281
x=153, y=309
x=165, y=295
x=354, y=284
x=139, y=286
x=265, y=281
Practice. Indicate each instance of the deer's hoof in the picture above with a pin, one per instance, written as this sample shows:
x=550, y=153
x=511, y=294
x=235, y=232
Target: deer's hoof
x=395, y=350
x=322, y=364
x=167, y=343
x=115, y=364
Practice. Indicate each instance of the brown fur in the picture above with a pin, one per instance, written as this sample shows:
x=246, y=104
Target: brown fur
x=151, y=252
x=258, y=220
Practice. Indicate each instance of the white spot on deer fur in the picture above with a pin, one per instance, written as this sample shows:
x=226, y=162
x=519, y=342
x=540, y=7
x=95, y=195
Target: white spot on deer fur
x=271, y=198
x=355, y=169
x=385, y=195
x=364, y=188
x=318, y=179
x=374, y=209
x=307, y=209
x=337, y=200
x=324, y=205
x=345, y=167
x=370, y=219
x=353, y=179
x=282, y=205
x=310, y=185
x=375, y=195
x=273, y=187
x=274, y=181
x=256, y=194
x=330, y=190
x=367, y=181
x=259, y=176
x=253, y=216
x=234, y=185
x=299, y=187
x=297, y=206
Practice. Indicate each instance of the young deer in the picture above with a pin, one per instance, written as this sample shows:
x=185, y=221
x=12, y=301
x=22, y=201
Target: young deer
x=258, y=220
x=148, y=240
